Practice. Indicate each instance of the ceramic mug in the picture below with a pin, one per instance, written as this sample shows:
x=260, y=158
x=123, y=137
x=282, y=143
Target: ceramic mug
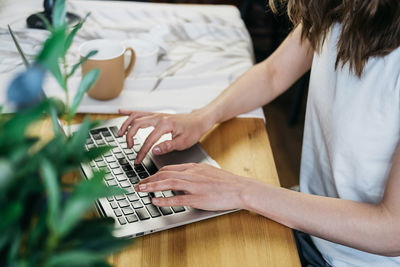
x=110, y=60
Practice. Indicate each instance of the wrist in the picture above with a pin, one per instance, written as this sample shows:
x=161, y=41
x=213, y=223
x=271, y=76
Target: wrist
x=207, y=118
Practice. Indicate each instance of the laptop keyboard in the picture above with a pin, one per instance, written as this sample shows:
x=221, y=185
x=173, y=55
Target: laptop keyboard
x=120, y=171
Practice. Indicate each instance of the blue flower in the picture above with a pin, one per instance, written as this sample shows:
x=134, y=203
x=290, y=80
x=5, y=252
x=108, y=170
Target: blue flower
x=25, y=90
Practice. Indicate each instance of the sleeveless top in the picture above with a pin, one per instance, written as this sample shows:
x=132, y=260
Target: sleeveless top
x=351, y=133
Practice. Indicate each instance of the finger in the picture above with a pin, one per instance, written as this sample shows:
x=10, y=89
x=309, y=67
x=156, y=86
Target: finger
x=125, y=111
x=149, y=142
x=180, y=200
x=178, y=167
x=139, y=123
x=132, y=116
x=169, y=184
x=164, y=175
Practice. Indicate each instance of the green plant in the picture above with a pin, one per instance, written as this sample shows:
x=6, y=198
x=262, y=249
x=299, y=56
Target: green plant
x=42, y=215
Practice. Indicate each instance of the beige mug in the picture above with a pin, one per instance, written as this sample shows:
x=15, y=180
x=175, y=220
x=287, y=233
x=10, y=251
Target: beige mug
x=110, y=60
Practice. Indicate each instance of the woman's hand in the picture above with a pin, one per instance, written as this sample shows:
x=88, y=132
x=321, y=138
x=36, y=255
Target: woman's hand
x=205, y=187
x=186, y=130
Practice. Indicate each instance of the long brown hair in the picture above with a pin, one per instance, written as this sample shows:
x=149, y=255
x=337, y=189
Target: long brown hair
x=370, y=28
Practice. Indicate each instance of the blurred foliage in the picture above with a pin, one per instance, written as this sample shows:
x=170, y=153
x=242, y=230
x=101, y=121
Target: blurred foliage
x=43, y=219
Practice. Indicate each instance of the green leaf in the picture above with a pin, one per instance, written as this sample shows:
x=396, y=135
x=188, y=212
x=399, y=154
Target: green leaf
x=71, y=35
x=76, y=66
x=51, y=52
x=87, y=81
x=96, y=152
x=85, y=194
x=76, y=144
x=13, y=131
x=50, y=179
x=59, y=14
x=6, y=172
x=46, y=22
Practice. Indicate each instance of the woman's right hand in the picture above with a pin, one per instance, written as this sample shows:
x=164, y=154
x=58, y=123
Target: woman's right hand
x=185, y=129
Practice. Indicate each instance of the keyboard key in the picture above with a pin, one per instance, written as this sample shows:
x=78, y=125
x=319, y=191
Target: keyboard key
x=110, y=159
x=122, y=220
x=118, y=212
x=123, y=161
x=119, y=156
x=92, y=164
x=178, y=209
x=130, y=174
x=146, y=200
x=109, y=139
x=113, y=165
x=113, y=204
x=108, y=154
x=127, y=210
x=111, y=183
x=105, y=132
x=143, y=175
x=136, y=148
x=110, y=199
x=134, y=180
x=114, y=131
x=165, y=210
x=97, y=137
x=124, y=145
x=89, y=141
x=107, y=170
x=99, y=159
x=137, y=204
x=116, y=150
x=113, y=143
x=123, y=203
x=131, y=157
x=126, y=167
x=132, y=218
x=133, y=197
x=90, y=146
x=168, y=193
x=121, y=140
x=121, y=177
x=139, y=168
x=153, y=210
x=143, y=194
x=120, y=197
x=142, y=214
x=130, y=190
x=117, y=171
x=109, y=176
x=156, y=194
x=95, y=131
x=100, y=142
x=128, y=151
x=150, y=166
x=101, y=164
x=125, y=183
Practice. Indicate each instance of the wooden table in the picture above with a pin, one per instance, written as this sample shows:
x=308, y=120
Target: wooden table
x=241, y=239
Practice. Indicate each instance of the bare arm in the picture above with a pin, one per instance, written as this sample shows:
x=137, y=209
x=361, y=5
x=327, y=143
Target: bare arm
x=258, y=86
x=265, y=81
x=368, y=227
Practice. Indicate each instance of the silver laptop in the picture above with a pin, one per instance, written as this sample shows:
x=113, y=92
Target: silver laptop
x=133, y=212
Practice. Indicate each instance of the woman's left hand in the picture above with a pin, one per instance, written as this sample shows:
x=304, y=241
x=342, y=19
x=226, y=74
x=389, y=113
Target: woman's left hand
x=205, y=187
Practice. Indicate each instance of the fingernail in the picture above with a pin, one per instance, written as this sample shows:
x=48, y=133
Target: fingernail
x=157, y=150
x=142, y=187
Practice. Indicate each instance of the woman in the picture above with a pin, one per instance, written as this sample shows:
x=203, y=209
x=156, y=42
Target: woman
x=350, y=172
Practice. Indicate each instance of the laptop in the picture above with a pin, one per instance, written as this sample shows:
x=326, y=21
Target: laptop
x=133, y=212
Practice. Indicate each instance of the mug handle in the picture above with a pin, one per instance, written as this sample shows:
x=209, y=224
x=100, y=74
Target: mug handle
x=131, y=63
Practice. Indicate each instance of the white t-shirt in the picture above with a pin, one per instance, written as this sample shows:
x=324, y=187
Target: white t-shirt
x=351, y=133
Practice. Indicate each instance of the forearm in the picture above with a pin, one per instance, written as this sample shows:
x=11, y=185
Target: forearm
x=367, y=227
x=252, y=90
x=264, y=81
